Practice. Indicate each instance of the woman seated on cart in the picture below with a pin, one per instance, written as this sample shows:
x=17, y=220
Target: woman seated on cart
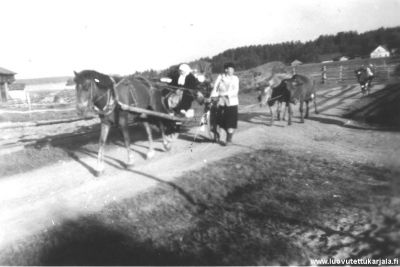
x=188, y=82
x=225, y=91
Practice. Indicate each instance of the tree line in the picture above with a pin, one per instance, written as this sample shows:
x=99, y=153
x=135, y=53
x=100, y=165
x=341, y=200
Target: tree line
x=350, y=43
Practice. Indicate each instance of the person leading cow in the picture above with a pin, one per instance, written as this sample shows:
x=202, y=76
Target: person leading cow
x=226, y=90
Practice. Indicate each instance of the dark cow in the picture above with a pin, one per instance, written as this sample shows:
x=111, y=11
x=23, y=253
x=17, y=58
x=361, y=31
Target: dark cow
x=364, y=78
x=303, y=89
x=278, y=94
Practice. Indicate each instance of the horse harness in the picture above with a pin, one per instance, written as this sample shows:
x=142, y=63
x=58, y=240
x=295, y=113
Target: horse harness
x=110, y=104
x=170, y=101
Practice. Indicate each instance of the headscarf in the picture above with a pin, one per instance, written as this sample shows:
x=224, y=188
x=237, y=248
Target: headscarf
x=185, y=71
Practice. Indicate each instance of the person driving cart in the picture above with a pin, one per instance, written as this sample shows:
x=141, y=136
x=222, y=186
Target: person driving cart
x=185, y=79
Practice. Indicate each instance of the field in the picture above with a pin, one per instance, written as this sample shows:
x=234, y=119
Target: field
x=280, y=195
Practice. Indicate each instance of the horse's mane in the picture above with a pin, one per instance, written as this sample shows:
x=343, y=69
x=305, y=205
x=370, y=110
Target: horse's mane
x=102, y=80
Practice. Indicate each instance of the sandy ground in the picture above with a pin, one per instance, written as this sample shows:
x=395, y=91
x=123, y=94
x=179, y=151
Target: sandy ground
x=36, y=201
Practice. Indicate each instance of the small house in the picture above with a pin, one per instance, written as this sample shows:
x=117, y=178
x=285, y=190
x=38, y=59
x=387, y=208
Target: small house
x=380, y=51
x=343, y=58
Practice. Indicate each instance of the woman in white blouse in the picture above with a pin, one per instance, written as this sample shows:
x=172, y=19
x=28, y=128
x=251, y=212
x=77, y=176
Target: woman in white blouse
x=226, y=89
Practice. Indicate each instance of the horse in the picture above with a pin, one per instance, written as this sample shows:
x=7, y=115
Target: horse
x=364, y=79
x=302, y=89
x=98, y=92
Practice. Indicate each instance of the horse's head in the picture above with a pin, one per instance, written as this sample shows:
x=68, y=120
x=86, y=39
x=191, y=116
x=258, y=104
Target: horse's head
x=91, y=89
x=83, y=87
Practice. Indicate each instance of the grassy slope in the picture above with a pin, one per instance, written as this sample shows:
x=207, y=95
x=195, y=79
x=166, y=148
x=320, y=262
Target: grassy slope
x=264, y=208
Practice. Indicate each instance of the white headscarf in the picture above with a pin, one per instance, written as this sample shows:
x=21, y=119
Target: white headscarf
x=185, y=69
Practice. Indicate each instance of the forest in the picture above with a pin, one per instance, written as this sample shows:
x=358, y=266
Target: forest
x=350, y=43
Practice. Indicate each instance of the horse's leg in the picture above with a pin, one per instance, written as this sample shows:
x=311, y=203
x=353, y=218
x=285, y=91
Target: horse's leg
x=315, y=103
x=151, y=151
x=307, y=109
x=105, y=128
x=216, y=131
x=271, y=112
x=284, y=111
x=301, y=110
x=166, y=141
x=278, y=110
x=290, y=111
x=123, y=122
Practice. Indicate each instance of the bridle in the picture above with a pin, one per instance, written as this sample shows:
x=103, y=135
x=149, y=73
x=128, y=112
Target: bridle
x=110, y=104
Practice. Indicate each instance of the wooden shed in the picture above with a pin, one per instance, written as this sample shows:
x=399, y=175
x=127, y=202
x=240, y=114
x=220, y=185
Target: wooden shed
x=6, y=78
x=296, y=63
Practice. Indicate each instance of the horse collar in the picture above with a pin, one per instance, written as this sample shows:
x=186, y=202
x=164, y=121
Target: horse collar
x=110, y=104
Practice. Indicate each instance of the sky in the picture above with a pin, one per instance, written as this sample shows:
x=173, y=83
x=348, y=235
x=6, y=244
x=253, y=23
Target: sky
x=44, y=38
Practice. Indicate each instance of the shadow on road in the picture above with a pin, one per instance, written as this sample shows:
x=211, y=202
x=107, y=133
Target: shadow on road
x=120, y=165
x=381, y=107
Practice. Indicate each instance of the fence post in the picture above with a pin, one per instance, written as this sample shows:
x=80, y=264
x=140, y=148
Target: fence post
x=323, y=75
x=340, y=73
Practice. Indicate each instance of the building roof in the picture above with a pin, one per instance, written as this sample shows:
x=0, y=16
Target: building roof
x=383, y=46
x=6, y=71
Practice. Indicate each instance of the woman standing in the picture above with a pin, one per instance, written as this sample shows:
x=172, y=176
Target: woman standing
x=226, y=89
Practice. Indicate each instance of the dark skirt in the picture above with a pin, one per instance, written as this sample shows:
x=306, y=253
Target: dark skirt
x=227, y=117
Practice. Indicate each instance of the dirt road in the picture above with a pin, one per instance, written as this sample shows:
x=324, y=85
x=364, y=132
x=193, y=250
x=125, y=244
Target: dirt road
x=40, y=199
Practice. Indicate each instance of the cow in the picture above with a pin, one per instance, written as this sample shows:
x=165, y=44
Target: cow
x=364, y=77
x=302, y=89
x=275, y=94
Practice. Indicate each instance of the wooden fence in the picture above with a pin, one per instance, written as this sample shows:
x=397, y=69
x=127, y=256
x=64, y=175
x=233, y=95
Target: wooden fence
x=344, y=71
x=40, y=98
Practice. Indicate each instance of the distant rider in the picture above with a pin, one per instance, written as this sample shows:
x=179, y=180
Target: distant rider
x=370, y=73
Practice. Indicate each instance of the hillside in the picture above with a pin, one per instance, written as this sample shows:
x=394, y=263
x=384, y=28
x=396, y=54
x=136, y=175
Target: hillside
x=255, y=77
